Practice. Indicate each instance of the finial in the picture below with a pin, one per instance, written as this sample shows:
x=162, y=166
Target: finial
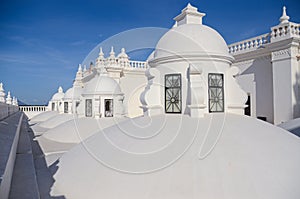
x=79, y=68
x=284, y=18
x=123, y=50
x=60, y=89
x=1, y=87
x=112, y=51
x=101, y=52
x=84, y=68
x=189, y=15
x=8, y=98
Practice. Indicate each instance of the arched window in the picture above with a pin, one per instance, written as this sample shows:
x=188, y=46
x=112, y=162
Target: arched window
x=66, y=107
x=108, y=107
x=53, y=106
x=173, y=93
x=216, y=92
x=88, y=108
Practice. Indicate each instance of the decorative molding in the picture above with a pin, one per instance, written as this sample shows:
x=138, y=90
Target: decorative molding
x=281, y=53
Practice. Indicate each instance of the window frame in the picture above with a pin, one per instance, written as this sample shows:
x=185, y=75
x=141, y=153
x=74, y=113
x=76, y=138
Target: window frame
x=216, y=87
x=180, y=93
x=66, y=110
x=90, y=113
x=111, y=107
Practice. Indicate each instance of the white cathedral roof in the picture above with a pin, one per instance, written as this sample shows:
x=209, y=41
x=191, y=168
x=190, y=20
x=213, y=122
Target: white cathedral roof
x=189, y=36
x=73, y=93
x=59, y=95
x=219, y=156
x=102, y=84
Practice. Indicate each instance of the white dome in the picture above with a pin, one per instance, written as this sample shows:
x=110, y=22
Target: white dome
x=101, y=84
x=73, y=93
x=167, y=157
x=59, y=95
x=191, y=39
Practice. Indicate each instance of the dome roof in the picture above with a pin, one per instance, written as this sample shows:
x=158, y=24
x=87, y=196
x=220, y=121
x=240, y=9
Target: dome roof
x=191, y=39
x=102, y=84
x=73, y=93
x=59, y=95
x=235, y=154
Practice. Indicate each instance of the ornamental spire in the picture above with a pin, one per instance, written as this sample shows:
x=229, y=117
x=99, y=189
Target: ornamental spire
x=60, y=90
x=8, y=98
x=189, y=15
x=123, y=58
x=284, y=18
x=79, y=68
x=101, y=59
x=112, y=57
x=2, y=93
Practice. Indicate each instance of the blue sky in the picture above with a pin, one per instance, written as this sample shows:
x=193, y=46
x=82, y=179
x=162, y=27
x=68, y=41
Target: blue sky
x=42, y=42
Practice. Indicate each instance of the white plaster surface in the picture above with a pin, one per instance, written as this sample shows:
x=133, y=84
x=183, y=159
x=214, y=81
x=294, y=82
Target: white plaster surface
x=175, y=156
x=78, y=129
x=43, y=117
x=56, y=120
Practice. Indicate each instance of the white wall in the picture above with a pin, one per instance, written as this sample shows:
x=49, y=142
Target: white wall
x=261, y=68
x=7, y=109
x=132, y=85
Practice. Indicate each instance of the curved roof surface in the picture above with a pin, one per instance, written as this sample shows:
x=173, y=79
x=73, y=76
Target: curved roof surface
x=191, y=39
x=102, y=84
x=220, y=156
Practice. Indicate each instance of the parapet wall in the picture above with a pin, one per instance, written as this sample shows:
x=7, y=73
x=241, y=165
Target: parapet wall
x=7, y=110
x=9, y=137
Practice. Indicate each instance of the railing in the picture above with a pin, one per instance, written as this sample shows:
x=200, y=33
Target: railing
x=138, y=64
x=249, y=44
x=289, y=29
x=35, y=108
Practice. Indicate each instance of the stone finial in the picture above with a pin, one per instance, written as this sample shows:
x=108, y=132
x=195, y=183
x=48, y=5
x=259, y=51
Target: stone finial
x=112, y=52
x=284, y=18
x=2, y=93
x=123, y=58
x=16, y=102
x=123, y=53
x=84, y=68
x=60, y=89
x=112, y=58
x=101, y=52
x=189, y=15
x=101, y=59
x=79, y=68
x=8, y=98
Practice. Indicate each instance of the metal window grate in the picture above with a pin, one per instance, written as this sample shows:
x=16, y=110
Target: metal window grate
x=173, y=93
x=216, y=92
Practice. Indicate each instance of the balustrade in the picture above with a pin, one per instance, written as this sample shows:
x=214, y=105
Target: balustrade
x=248, y=44
x=283, y=30
x=33, y=108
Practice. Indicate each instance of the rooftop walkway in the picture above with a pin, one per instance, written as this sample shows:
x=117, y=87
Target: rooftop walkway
x=23, y=170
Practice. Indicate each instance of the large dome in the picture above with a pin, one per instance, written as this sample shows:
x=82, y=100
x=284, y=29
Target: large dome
x=191, y=39
x=102, y=84
x=167, y=157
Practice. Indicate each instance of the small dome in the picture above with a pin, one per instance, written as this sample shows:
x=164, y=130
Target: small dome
x=102, y=84
x=59, y=95
x=190, y=39
x=73, y=93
